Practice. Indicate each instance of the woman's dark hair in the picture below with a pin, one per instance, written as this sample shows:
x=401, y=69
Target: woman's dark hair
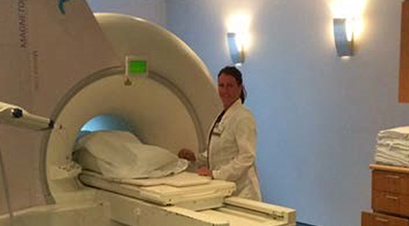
x=233, y=71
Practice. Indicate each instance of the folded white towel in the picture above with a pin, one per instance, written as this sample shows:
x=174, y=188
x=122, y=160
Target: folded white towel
x=397, y=133
x=392, y=147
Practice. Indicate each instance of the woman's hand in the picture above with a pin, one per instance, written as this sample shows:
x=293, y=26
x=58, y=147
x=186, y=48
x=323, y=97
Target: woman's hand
x=187, y=154
x=204, y=171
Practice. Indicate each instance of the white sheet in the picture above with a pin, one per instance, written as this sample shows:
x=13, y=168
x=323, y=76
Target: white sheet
x=120, y=154
x=178, y=180
x=187, y=190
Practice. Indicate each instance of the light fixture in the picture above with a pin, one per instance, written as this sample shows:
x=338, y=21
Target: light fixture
x=344, y=36
x=236, y=48
x=238, y=37
x=348, y=24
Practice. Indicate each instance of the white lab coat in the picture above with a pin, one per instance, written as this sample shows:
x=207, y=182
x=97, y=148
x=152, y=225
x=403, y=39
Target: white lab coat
x=232, y=151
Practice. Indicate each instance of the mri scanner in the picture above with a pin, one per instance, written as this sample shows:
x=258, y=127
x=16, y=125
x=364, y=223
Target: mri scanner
x=171, y=104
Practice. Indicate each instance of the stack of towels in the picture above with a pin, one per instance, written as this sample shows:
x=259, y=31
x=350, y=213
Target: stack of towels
x=393, y=147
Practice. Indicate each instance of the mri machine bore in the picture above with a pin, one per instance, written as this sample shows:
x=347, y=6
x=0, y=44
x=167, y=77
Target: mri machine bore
x=171, y=106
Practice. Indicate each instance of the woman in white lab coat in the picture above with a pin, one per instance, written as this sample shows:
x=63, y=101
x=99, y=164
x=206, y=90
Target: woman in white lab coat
x=232, y=140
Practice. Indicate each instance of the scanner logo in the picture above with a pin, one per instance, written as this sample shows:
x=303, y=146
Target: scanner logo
x=22, y=13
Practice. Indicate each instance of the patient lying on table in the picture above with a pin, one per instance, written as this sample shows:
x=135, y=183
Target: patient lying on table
x=120, y=154
x=116, y=161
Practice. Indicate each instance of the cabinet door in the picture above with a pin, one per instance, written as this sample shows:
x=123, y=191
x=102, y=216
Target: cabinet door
x=404, y=55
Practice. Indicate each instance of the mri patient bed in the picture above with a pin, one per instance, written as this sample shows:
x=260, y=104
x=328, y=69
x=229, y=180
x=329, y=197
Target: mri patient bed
x=172, y=105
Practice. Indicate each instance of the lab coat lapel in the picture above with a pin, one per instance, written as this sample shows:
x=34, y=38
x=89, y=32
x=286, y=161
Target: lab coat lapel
x=231, y=111
x=225, y=118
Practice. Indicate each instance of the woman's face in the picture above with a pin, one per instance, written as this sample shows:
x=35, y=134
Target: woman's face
x=229, y=89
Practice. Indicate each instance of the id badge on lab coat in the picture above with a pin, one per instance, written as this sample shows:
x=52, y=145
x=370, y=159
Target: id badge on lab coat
x=218, y=130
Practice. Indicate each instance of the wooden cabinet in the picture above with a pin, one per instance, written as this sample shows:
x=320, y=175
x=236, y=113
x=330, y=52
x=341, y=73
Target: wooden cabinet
x=390, y=197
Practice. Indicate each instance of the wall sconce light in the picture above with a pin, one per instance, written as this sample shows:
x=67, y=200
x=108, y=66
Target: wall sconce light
x=238, y=37
x=236, y=48
x=344, y=36
x=348, y=24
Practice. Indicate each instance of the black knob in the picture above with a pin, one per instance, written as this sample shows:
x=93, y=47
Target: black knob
x=51, y=124
x=17, y=113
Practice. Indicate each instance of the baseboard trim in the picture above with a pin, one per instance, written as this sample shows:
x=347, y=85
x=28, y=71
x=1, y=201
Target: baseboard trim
x=303, y=224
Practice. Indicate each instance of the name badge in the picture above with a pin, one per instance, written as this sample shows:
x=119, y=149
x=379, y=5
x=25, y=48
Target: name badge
x=218, y=129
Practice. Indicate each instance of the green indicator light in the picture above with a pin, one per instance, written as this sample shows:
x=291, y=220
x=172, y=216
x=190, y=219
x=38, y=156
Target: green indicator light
x=137, y=67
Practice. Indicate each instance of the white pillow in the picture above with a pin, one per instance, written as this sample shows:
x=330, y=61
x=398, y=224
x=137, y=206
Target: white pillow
x=120, y=154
